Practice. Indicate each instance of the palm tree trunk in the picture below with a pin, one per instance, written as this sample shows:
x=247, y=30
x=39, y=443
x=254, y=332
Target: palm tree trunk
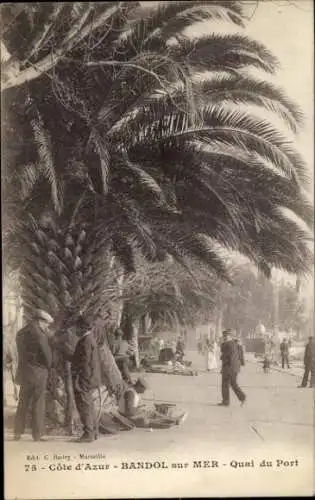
x=145, y=324
x=70, y=404
x=218, y=323
x=134, y=341
x=63, y=270
x=111, y=376
x=130, y=329
x=120, y=282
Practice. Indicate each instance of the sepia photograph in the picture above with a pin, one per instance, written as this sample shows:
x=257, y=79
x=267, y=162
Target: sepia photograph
x=157, y=171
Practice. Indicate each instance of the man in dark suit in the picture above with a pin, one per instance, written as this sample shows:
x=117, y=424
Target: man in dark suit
x=309, y=363
x=34, y=363
x=230, y=369
x=86, y=377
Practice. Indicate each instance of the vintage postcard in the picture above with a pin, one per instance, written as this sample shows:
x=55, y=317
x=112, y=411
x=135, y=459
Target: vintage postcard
x=157, y=170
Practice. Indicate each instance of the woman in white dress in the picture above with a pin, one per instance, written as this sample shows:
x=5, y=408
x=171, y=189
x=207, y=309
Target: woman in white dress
x=211, y=355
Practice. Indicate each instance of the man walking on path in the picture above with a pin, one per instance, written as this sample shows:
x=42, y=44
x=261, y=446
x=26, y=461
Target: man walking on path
x=34, y=363
x=284, y=351
x=86, y=376
x=230, y=369
x=309, y=363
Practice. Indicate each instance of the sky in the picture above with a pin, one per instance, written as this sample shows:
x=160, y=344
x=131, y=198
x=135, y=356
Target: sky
x=286, y=28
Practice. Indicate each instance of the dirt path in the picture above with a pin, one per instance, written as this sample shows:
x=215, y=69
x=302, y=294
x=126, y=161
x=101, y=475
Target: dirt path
x=275, y=423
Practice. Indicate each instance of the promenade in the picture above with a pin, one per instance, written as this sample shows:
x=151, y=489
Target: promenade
x=275, y=425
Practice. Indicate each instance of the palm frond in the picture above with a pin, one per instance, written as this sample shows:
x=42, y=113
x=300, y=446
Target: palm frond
x=28, y=178
x=233, y=126
x=134, y=225
x=195, y=13
x=101, y=149
x=124, y=253
x=147, y=182
x=249, y=90
x=145, y=23
x=224, y=53
x=228, y=89
x=47, y=166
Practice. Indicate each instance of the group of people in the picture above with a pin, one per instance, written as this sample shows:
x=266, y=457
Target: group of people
x=37, y=341
x=285, y=346
x=35, y=345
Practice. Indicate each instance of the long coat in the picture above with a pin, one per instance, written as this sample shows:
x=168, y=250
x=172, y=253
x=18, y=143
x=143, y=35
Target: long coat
x=309, y=354
x=33, y=351
x=85, y=366
x=230, y=358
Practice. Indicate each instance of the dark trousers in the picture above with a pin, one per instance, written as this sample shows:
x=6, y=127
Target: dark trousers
x=230, y=379
x=85, y=406
x=309, y=368
x=32, y=393
x=285, y=360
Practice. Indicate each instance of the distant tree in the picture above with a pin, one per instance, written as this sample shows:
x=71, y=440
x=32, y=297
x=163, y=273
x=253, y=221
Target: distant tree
x=293, y=313
x=247, y=302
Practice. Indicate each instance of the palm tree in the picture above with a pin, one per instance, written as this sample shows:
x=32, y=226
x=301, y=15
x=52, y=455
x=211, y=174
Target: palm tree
x=124, y=134
x=166, y=293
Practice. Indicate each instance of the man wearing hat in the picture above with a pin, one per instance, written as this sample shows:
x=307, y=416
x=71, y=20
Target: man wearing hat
x=86, y=377
x=230, y=369
x=34, y=363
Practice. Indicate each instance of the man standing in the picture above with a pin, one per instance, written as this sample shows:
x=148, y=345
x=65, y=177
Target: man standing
x=309, y=363
x=180, y=348
x=34, y=363
x=284, y=351
x=86, y=376
x=230, y=369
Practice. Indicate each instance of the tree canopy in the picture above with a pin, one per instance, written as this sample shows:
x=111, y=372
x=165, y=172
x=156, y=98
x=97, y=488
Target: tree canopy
x=116, y=120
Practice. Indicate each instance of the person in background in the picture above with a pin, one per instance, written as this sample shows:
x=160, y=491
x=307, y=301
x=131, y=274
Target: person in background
x=86, y=377
x=200, y=345
x=9, y=364
x=172, y=345
x=240, y=351
x=34, y=363
x=123, y=352
x=210, y=355
x=230, y=369
x=284, y=351
x=161, y=344
x=309, y=363
x=180, y=349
